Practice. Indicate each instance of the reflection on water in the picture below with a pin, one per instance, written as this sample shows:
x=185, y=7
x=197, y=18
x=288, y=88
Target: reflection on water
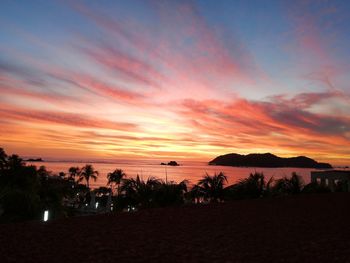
x=191, y=171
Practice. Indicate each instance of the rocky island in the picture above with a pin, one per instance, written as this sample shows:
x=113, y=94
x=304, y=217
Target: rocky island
x=35, y=160
x=267, y=160
x=171, y=163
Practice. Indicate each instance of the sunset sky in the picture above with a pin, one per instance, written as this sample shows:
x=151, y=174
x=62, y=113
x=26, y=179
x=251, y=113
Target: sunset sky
x=175, y=79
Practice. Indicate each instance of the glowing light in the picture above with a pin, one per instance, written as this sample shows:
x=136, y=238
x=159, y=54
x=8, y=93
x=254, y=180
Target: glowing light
x=46, y=215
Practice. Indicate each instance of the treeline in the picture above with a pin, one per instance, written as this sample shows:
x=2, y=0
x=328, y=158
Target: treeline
x=26, y=191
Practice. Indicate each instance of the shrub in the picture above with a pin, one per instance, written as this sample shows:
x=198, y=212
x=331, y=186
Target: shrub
x=315, y=188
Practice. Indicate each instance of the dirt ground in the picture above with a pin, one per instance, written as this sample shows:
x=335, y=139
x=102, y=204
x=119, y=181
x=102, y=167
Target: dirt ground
x=304, y=228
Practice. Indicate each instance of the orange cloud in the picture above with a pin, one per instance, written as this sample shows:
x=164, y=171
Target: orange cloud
x=62, y=118
x=279, y=124
x=172, y=90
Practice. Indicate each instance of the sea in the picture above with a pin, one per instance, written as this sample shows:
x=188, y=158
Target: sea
x=187, y=170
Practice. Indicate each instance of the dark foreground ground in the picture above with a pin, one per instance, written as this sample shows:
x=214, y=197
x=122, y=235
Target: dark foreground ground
x=308, y=228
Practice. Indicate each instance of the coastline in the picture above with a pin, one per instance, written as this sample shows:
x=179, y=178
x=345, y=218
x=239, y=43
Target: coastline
x=191, y=171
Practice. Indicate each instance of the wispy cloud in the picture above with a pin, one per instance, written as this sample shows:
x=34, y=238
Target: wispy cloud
x=164, y=80
x=63, y=118
x=282, y=123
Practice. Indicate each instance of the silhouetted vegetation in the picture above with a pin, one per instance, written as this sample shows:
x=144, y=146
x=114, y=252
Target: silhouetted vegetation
x=87, y=173
x=293, y=185
x=313, y=188
x=74, y=173
x=153, y=192
x=115, y=178
x=26, y=191
x=252, y=187
x=209, y=189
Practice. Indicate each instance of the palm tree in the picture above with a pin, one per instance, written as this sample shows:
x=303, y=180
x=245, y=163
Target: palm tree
x=212, y=187
x=296, y=183
x=170, y=193
x=257, y=183
x=74, y=172
x=87, y=173
x=183, y=186
x=269, y=186
x=115, y=178
x=196, y=194
x=281, y=186
x=291, y=185
x=138, y=192
x=254, y=186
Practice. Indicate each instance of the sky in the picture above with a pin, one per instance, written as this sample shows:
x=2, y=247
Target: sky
x=175, y=79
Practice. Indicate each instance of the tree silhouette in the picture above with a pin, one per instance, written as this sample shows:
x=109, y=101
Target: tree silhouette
x=135, y=192
x=74, y=172
x=115, y=178
x=25, y=191
x=286, y=185
x=296, y=183
x=170, y=193
x=196, y=194
x=14, y=162
x=254, y=186
x=212, y=187
x=138, y=192
x=43, y=172
x=87, y=173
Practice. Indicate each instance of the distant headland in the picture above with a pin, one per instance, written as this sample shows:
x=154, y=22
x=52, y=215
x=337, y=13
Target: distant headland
x=267, y=160
x=35, y=160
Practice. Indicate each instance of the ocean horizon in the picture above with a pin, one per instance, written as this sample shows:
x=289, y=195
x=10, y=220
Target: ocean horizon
x=187, y=170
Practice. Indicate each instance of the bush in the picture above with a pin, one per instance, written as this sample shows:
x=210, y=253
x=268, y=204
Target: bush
x=252, y=187
x=315, y=188
x=285, y=186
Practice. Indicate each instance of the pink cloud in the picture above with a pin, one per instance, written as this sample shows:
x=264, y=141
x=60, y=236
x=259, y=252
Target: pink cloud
x=125, y=66
x=62, y=118
x=179, y=86
x=195, y=66
x=279, y=123
x=97, y=86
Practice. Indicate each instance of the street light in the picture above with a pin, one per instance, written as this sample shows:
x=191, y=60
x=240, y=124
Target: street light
x=46, y=215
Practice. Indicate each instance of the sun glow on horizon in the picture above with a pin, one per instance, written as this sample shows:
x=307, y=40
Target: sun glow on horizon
x=175, y=80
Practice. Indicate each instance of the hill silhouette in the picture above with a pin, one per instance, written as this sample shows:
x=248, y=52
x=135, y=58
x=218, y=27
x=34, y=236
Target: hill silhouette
x=267, y=160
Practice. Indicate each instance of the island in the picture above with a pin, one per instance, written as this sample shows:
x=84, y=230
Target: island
x=267, y=160
x=171, y=163
x=34, y=160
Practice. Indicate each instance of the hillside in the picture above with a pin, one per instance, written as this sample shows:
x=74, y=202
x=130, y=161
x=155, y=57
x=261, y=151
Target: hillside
x=267, y=160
